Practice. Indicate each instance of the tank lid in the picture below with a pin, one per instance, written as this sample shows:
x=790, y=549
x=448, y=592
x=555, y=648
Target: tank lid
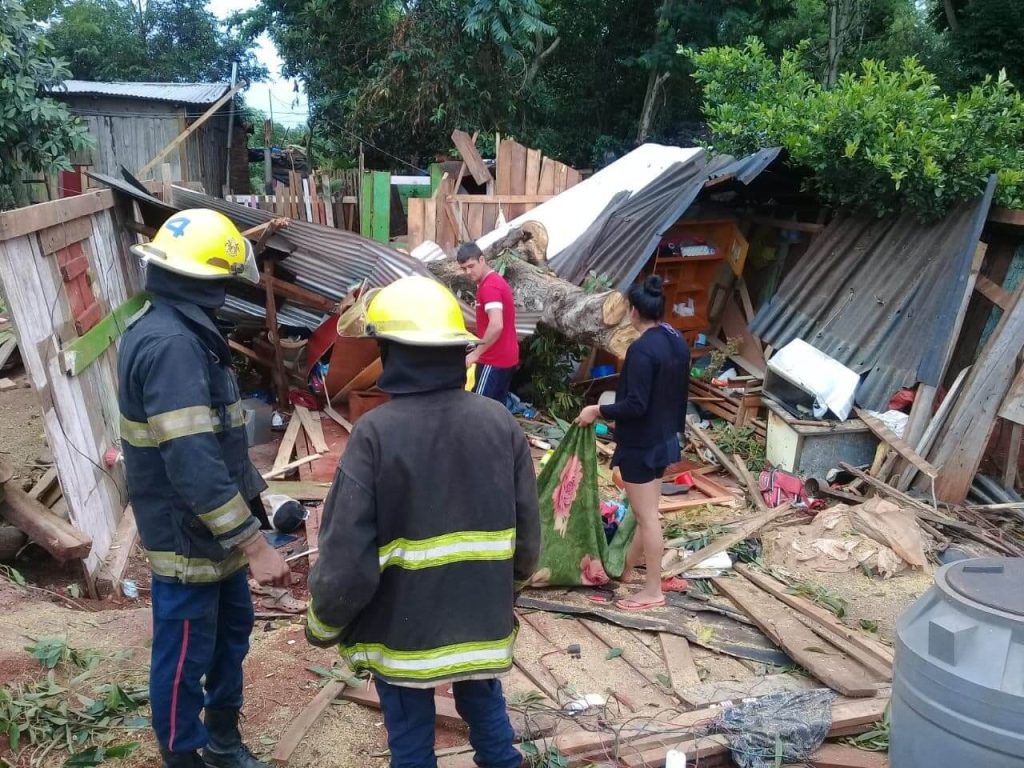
x=992, y=582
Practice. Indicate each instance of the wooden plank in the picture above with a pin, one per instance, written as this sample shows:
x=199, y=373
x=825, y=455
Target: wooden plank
x=994, y=292
x=742, y=532
x=753, y=487
x=300, y=490
x=415, y=222
x=83, y=351
x=430, y=219
x=115, y=565
x=24, y=221
x=471, y=157
x=45, y=483
x=299, y=294
x=887, y=436
x=870, y=647
x=503, y=169
x=844, y=756
x=297, y=728
x=363, y=380
x=475, y=221
x=313, y=519
x=533, y=161
x=500, y=198
x=546, y=185
x=287, y=446
x=834, y=668
x=54, y=534
x=199, y=121
x=572, y=177
x=7, y=349
x=959, y=449
x=313, y=428
x=1013, y=457
x=340, y=420
x=679, y=662
x=934, y=426
x=1011, y=216
x=278, y=375
x=1012, y=408
x=285, y=468
x=53, y=239
x=657, y=694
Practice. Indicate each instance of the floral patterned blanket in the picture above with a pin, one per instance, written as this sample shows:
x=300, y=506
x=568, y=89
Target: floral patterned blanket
x=574, y=548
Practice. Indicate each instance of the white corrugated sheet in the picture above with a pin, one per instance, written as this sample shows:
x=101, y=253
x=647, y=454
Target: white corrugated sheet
x=568, y=215
x=182, y=93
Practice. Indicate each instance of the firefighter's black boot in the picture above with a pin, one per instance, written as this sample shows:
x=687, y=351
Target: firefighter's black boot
x=225, y=748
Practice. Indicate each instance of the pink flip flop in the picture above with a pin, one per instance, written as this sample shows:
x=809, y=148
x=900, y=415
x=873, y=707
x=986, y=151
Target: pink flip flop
x=631, y=604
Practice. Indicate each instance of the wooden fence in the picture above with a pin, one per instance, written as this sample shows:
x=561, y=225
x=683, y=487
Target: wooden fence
x=525, y=179
x=307, y=198
x=66, y=271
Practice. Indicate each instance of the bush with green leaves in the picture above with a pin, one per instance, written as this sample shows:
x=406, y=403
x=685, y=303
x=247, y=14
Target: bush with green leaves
x=882, y=139
x=36, y=132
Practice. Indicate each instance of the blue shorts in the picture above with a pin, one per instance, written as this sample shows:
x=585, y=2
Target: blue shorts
x=493, y=382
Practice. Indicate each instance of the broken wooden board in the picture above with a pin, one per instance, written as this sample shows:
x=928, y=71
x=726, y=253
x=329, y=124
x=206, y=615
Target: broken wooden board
x=311, y=424
x=836, y=669
x=1012, y=408
x=44, y=484
x=655, y=692
x=679, y=662
x=890, y=438
x=743, y=531
x=297, y=729
x=300, y=490
x=287, y=446
x=111, y=573
x=844, y=756
x=710, y=630
x=869, y=646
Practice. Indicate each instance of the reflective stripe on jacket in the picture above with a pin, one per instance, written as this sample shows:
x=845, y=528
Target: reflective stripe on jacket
x=432, y=518
x=185, y=447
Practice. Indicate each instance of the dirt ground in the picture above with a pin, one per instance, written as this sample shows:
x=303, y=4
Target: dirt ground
x=21, y=427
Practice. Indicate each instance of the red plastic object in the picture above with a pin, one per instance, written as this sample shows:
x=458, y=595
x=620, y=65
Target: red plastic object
x=684, y=478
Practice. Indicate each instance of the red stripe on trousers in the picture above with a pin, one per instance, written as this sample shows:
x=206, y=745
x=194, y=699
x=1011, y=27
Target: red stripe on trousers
x=177, y=684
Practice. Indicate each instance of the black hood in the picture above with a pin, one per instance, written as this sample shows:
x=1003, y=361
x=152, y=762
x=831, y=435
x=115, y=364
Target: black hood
x=208, y=294
x=198, y=300
x=410, y=370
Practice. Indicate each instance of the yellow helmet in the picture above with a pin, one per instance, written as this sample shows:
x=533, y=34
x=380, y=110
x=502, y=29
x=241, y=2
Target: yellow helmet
x=417, y=311
x=201, y=243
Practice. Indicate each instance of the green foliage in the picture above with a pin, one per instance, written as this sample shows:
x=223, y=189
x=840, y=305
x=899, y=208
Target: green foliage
x=36, y=133
x=10, y=574
x=52, y=652
x=877, y=739
x=882, y=139
x=512, y=25
x=549, y=360
x=987, y=38
x=155, y=40
x=717, y=359
x=742, y=441
x=550, y=758
x=820, y=595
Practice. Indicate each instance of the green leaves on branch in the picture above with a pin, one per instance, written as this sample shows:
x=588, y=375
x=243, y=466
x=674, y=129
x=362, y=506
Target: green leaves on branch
x=36, y=132
x=882, y=139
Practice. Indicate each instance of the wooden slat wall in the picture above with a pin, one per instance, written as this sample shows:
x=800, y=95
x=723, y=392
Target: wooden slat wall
x=520, y=171
x=80, y=413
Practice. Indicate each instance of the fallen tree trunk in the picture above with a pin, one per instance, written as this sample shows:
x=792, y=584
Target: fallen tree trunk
x=595, y=319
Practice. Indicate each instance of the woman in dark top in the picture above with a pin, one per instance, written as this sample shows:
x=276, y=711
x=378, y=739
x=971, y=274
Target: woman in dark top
x=649, y=413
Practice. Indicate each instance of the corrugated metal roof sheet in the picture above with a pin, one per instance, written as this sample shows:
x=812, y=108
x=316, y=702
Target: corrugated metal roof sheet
x=748, y=168
x=880, y=296
x=622, y=238
x=181, y=93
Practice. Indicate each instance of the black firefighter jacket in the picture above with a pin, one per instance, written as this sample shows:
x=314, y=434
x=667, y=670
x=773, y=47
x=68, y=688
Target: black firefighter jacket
x=432, y=518
x=185, y=446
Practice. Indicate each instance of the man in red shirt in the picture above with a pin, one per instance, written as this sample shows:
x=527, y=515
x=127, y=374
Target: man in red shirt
x=497, y=355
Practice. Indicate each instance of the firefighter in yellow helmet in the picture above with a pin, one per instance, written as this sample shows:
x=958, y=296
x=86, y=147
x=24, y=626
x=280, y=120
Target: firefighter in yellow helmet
x=194, y=491
x=430, y=522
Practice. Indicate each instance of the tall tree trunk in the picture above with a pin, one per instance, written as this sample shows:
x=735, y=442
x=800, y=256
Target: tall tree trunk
x=655, y=83
x=598, y=319
x=832, y=69
x=951, y=19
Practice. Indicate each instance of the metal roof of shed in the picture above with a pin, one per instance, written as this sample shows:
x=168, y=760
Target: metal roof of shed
x=179, y=93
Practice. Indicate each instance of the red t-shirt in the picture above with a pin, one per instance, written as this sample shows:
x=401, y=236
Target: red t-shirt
x=494, y=293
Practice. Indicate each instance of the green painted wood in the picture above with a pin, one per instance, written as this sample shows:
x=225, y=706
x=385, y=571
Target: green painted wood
x=87, y=348
x=436, y=174
x=375, y=206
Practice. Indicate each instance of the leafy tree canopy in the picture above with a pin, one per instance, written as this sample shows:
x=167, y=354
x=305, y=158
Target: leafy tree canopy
x=36, y=133
x=881, y=138
x=147, y=40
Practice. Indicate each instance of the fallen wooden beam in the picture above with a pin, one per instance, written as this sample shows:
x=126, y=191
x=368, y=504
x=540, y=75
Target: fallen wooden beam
x=283, y=470
x=682, y=671
x=870, y=647
x=287, y=446
x=313, y=428
x=44, y=484
x=836, y=669
x=890, y=438
x=444, y=706
x=743, y=531
x=300, y=490
x=338, y=418
x=843, y=756
x=753, y=487
x=297, y=729
x=717, y=452
x=52, y=533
